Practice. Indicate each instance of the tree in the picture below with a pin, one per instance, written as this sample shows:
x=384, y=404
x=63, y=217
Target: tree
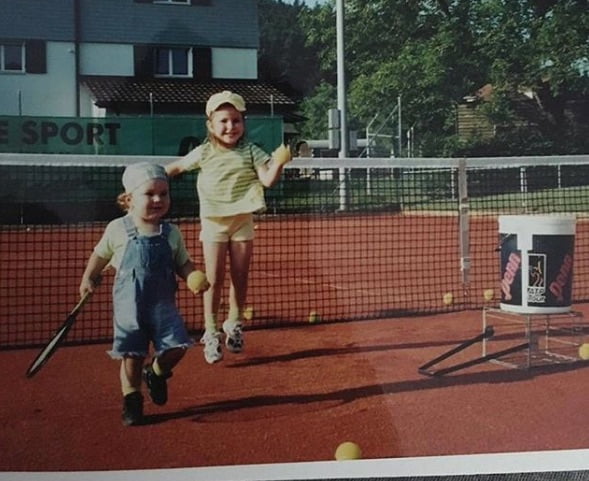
x=433, y=53
x=315, y=108
x=393, y=49
x=284, y=59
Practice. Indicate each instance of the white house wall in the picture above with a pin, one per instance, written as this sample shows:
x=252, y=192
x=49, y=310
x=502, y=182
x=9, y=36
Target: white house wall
x=106, y=59
x=87, y=106
x=234, y=63
x=43, y=94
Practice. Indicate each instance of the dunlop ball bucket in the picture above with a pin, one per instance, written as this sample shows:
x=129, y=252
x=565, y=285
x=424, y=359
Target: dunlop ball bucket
x=537, y=254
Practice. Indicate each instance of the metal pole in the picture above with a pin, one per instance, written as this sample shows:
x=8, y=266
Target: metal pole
x=341, y=100
x=369, y=142
x=400, y=127
x=151, y=107
x=77, y=42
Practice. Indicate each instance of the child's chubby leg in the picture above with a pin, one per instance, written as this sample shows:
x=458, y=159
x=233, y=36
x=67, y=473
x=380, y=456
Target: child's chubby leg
x=130, y=375
x=159, y=371
x=167, y=360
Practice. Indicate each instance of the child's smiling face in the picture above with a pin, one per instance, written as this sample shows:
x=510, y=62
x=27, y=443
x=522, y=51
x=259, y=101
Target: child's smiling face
x=151, y=201
x=226, y=125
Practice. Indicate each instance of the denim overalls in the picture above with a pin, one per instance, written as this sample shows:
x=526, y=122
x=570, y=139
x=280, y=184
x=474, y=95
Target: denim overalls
x=144, y=297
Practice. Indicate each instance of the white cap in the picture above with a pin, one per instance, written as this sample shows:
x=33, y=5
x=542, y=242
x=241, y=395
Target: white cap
x=226, y=97
x=137, y=174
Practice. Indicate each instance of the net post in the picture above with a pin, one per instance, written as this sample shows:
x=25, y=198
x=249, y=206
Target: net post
x=523, y=181
x=463, y=213
x=343, y=189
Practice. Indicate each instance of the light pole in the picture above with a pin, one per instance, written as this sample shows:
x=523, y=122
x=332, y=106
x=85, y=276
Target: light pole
x=341, y=100
x=341, y=80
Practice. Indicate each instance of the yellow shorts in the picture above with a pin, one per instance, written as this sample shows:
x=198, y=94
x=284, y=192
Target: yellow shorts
x=223, y=229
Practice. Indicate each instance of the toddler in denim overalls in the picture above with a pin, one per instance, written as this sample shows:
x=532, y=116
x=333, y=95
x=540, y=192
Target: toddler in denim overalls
x=147, y=253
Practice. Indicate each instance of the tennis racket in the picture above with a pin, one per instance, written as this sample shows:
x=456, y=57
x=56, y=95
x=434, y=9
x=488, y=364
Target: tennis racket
x=59, y=336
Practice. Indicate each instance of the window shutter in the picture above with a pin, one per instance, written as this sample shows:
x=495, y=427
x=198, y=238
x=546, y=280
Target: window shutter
x=202, y=63
x=35, y=56
x=143, y=1
x=143, y=58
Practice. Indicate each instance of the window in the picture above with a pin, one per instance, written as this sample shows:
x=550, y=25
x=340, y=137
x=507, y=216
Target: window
x=182, y=62
x=12, y=57
x=173, y=62
x=179, y=2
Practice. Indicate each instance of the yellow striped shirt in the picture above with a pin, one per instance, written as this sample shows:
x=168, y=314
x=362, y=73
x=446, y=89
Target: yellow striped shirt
x=227, y=182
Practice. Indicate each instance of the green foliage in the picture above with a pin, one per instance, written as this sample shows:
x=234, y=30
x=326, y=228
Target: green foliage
x=284, y=58
x=434, y=53
x=315, y=108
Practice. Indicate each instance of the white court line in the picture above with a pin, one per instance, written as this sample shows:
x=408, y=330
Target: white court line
x=502, y=463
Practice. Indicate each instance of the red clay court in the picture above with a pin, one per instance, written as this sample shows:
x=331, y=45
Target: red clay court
x=376, y=278
x=293, y=396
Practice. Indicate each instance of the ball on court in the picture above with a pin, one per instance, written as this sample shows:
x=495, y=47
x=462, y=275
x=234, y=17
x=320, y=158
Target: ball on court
x=584, y=351
x=448, y=298
x=248, y=313
x=348, y=450
x=197, y=281
x=488, y=294
x=314, y=317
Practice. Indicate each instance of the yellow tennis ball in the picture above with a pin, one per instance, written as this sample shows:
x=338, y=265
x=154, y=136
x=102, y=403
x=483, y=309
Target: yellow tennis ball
x=584, y=351
x=248, y=313
x=197, y=281
x=314, y=317
x=348, y=450
x=488, y=294
x=448, y=298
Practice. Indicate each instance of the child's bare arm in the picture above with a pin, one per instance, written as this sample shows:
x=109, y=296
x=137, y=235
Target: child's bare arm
x=270, y=173
x=95, y=266
x=174, y=168
x=184, y=270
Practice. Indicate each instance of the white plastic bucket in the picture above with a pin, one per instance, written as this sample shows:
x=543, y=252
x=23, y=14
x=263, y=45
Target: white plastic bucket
x=537, y=253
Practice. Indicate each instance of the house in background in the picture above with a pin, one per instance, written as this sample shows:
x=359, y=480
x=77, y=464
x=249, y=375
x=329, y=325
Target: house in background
x=472, y=121
x=97, y=58
x=529, y=111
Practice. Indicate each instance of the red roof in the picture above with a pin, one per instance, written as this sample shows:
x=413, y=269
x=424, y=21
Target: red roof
x=106, y=90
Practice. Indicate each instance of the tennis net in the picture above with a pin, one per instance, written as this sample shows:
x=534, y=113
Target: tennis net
x=341, y=239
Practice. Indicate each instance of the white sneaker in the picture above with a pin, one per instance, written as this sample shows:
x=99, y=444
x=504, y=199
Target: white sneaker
x=234, y=333
x=212, y=346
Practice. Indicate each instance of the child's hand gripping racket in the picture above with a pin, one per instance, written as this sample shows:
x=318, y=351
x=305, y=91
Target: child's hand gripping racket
x=197, y=282
x=59, y=335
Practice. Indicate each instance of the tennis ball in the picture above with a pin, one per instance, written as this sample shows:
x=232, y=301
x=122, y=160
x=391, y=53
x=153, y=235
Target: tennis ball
x=488, y=294
x=197, y=281
x=248, y=313
x=348, y=450
x=448, y=298
x=314, y=317
x=584, y=351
